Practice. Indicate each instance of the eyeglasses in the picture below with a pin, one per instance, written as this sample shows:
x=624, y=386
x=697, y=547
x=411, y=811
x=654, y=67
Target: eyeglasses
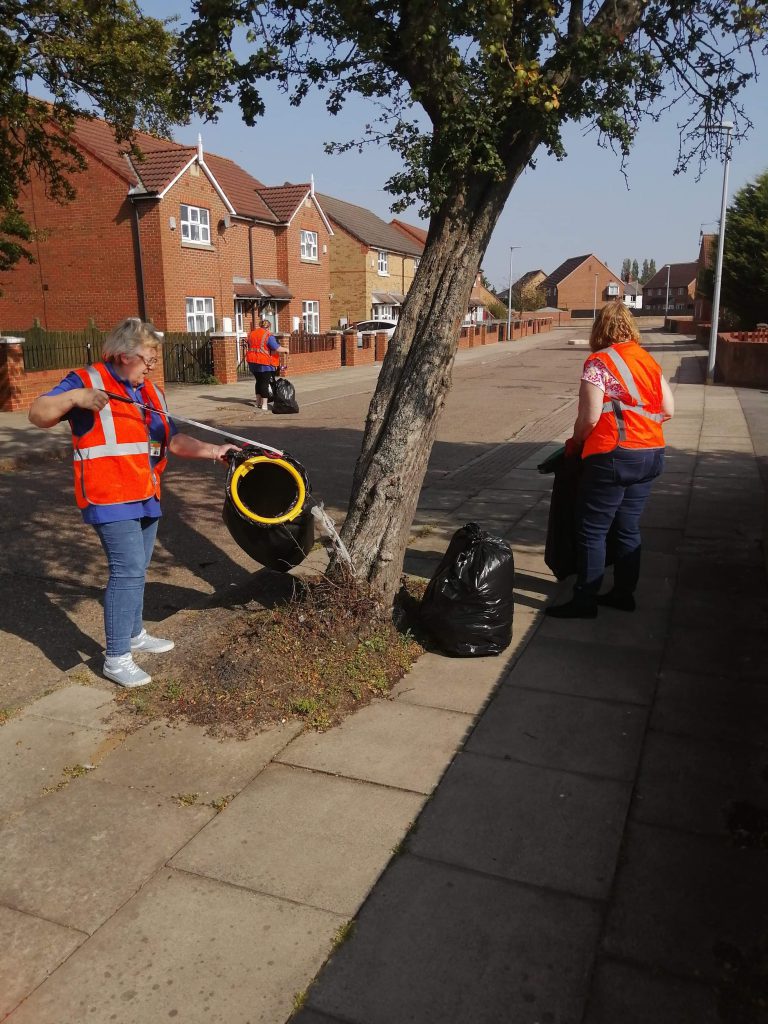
x=149, y=363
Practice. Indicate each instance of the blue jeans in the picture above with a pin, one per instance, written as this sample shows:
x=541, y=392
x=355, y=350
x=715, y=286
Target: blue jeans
x=614, y=487
x=128, y=546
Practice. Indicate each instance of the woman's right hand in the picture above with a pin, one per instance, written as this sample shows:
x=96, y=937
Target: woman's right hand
x=89, y=398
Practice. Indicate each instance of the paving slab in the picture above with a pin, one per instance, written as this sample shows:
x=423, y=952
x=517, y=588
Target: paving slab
x=32, y=949
x=90, y=706
x=305, y=836
x=34, y=753
x=436, y=945
x=76, y=856
x=172, y=759
x=644, y=629
x=525, y=823
x=625, y=994
x=388, y=742
x=680, y=898
x=596, y=670
x=456, y=684
x=690, y=783
x=711, y=707
x=192, y=950
x=555, y=730
x=718, y=649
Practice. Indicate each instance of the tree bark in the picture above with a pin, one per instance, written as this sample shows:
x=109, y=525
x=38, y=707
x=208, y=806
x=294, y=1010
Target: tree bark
x=415, y=377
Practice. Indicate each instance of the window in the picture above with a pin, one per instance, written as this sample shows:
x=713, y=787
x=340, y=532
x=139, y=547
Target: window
x=383, y=262
x=310, y=316
x=416, y=262
x=195, y=225
x=309, y=245
x=200, y=315
x=613, y=288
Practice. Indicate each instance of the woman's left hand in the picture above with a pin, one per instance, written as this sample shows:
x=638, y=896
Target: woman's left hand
x=220, y=451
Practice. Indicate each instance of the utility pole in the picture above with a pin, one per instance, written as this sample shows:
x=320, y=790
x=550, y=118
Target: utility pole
x=509, y=293
x=727, y=127
x=666, y=301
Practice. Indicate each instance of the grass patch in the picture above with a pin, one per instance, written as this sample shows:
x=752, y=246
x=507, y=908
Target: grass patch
x=316, y=658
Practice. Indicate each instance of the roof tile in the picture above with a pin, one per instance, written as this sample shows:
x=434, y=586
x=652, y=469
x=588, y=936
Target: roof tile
x=370, y=229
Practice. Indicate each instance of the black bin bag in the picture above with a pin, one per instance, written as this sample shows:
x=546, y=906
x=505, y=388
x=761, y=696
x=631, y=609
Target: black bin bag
x=469, y=603
x=561, y=547
x=284, y=398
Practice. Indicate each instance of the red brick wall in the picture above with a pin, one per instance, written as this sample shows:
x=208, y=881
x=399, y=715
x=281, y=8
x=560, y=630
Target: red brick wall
x=85, y=258
x=354, y=356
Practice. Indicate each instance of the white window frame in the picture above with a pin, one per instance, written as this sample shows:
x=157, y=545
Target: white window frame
x=201, y=314
x=195, y=224
x=310, y=315
x=383, y=264
x=416, y=262
x=308, y=247
x=613, y=289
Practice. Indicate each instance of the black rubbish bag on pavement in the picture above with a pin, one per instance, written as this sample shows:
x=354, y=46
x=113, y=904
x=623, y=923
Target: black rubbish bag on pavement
x=469, y=603
x=284, y=401
x=560, y=549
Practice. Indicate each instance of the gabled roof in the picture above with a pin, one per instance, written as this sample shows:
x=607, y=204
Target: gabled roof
x=707, y=251
x=162, y=160
x=418, y=234
x=632, y=287
x=368, y=228
x=680, y=276
x=566, y=269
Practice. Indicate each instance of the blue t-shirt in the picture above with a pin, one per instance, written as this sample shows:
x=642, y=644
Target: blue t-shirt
x=273, y=345
x=81, y=421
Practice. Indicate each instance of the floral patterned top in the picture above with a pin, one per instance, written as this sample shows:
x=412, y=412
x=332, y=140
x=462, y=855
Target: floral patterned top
x=596, y=372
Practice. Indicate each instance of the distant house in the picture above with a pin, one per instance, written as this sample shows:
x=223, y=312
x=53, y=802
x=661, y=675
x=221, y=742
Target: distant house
x=184, y=238
x=633, y=294
x=671, y=290
x=414, y=231
x=530, y=280
x=702, y=303
x=582, y=285
x=372, y=263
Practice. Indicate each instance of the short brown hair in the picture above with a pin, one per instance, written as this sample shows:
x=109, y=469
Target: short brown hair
x=614, y=323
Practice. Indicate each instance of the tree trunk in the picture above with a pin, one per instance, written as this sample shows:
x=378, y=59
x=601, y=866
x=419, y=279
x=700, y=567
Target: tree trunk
x=415, y=377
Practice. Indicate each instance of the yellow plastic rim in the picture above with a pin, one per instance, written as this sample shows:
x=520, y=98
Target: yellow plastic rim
x=245, y=468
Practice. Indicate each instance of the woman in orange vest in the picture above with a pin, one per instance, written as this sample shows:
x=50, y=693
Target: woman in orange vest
x=623, y=401
x=262, y=354
x=120, y=452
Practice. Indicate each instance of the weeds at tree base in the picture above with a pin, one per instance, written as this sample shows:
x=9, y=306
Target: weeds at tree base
x=316, y=659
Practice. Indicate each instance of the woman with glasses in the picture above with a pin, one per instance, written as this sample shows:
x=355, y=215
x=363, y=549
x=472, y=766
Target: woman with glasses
x=120, y=452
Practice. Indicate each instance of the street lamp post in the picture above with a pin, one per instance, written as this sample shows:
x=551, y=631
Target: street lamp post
x=594, y=300
x=666, y=301
x=509, y=293
x=727, y=127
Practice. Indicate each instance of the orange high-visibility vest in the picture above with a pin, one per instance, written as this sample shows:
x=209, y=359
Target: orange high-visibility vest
x=636, y=423
x=112, y=461
x=258, y=350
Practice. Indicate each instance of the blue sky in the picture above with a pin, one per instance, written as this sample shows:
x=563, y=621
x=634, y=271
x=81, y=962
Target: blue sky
x=561, y=209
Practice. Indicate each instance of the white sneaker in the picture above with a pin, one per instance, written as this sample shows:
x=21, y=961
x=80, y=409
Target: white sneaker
x=124, y=671
x=148, y=644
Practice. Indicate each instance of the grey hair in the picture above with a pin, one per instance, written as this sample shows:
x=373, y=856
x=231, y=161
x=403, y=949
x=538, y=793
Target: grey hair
x=128, y=337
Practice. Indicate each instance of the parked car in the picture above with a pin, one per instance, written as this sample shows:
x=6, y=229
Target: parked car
x=379, y=326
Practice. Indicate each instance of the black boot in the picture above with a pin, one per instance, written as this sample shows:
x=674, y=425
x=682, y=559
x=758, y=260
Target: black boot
x=617, y=599
x=579, y=607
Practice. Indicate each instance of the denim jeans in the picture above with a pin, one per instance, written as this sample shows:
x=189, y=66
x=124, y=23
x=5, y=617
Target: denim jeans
x=614, y=487
x=128, y=545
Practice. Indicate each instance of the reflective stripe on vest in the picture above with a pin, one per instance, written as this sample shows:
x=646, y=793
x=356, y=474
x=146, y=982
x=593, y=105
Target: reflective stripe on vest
x=113, y=459
x=628, y=432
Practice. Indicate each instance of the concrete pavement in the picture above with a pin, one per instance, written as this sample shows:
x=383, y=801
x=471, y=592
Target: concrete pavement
x=593, y=853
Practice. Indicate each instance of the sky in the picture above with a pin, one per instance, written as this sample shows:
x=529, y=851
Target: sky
x=579, y=205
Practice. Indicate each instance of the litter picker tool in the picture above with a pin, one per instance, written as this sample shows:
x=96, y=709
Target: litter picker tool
x=193, y=423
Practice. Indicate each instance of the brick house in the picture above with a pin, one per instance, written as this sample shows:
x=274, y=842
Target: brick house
x=582, y=285
x=372, y=263
x=633, y=295
x=681, y=282
x=185, y=239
